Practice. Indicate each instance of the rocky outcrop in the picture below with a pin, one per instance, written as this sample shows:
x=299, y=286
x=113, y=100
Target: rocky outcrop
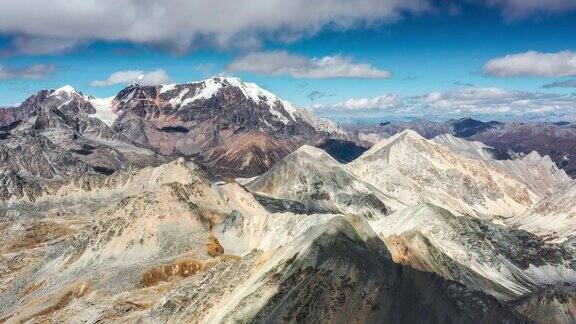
x=497, y=260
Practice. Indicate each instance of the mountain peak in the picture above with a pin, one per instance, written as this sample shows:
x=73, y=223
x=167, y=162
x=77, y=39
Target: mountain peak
x=409, y=133
x=313, y=152
x=67, y=89
x=406, y=134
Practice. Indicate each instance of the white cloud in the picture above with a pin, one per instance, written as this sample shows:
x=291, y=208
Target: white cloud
x=560, y=84
x=481, y=102
x=32, y=72
x=496, y=101
x=284, y=63
x=185, y=24
x=189, y=23
x=379, y=102
x=155, y=77
x=533, y=64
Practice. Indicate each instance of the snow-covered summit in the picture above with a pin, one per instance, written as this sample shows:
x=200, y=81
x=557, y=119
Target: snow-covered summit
x=184, y=94
x=66, y=91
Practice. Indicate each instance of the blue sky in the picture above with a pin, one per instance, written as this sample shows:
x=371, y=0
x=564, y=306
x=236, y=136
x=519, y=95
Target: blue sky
x=428, y=48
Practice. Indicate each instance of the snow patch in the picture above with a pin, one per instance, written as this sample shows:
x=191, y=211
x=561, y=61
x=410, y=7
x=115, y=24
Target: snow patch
x=210, y=87
x=167, y=87
x=104, y=110
x=66, y=90
x=178, y=100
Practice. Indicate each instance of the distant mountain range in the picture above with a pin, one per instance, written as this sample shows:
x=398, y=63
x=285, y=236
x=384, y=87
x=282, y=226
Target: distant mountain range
x=557, y=140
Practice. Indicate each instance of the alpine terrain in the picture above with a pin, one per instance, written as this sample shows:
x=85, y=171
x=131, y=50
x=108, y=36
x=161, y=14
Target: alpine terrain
x=215, y=202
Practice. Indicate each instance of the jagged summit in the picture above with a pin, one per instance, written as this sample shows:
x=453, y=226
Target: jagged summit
x=491, y=258
x=553, y=217
x=186, y=94
x=235, y=128
x=230, y=125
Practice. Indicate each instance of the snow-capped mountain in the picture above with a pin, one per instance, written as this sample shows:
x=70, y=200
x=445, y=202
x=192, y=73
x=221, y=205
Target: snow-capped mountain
x=555, y=140
x=232, y=127
x=57, y=139
x=539, y=173
x=169, y=238
x=95, y=225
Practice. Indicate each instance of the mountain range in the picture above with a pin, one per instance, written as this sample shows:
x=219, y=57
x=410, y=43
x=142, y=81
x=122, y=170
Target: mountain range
x=215, y=201
x=556, y=140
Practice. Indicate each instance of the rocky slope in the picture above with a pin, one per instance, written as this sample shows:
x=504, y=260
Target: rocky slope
x=411, y=169
x=58, y=140
x=552, y=217
x=552, y=139
x=96, y=226
x=499, y=261
x=312, y=178
x=538, y=173
x=166, y=243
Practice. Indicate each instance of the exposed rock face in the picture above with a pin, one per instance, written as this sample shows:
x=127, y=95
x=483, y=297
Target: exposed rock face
x=95, y=227
x=537, y=172
x=505, y=263
x=550, y=305
x=338, y=272
x=553, y=217
x=11, y=116
x=313, y=178
x=153, y=245
x=58, y=140
x=411, y=169
x=233, y=128
x=558, y=142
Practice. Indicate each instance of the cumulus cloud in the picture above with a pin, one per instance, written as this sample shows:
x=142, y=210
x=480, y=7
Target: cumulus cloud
x=560, y=84
x=533, y=64
x=380, y=102
x=482, y=102
x=32, y=72
x=284, y=63
x=184, y=24
x=155, y=77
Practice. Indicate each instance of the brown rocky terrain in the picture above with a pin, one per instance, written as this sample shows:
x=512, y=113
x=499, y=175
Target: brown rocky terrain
x=231, y=127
